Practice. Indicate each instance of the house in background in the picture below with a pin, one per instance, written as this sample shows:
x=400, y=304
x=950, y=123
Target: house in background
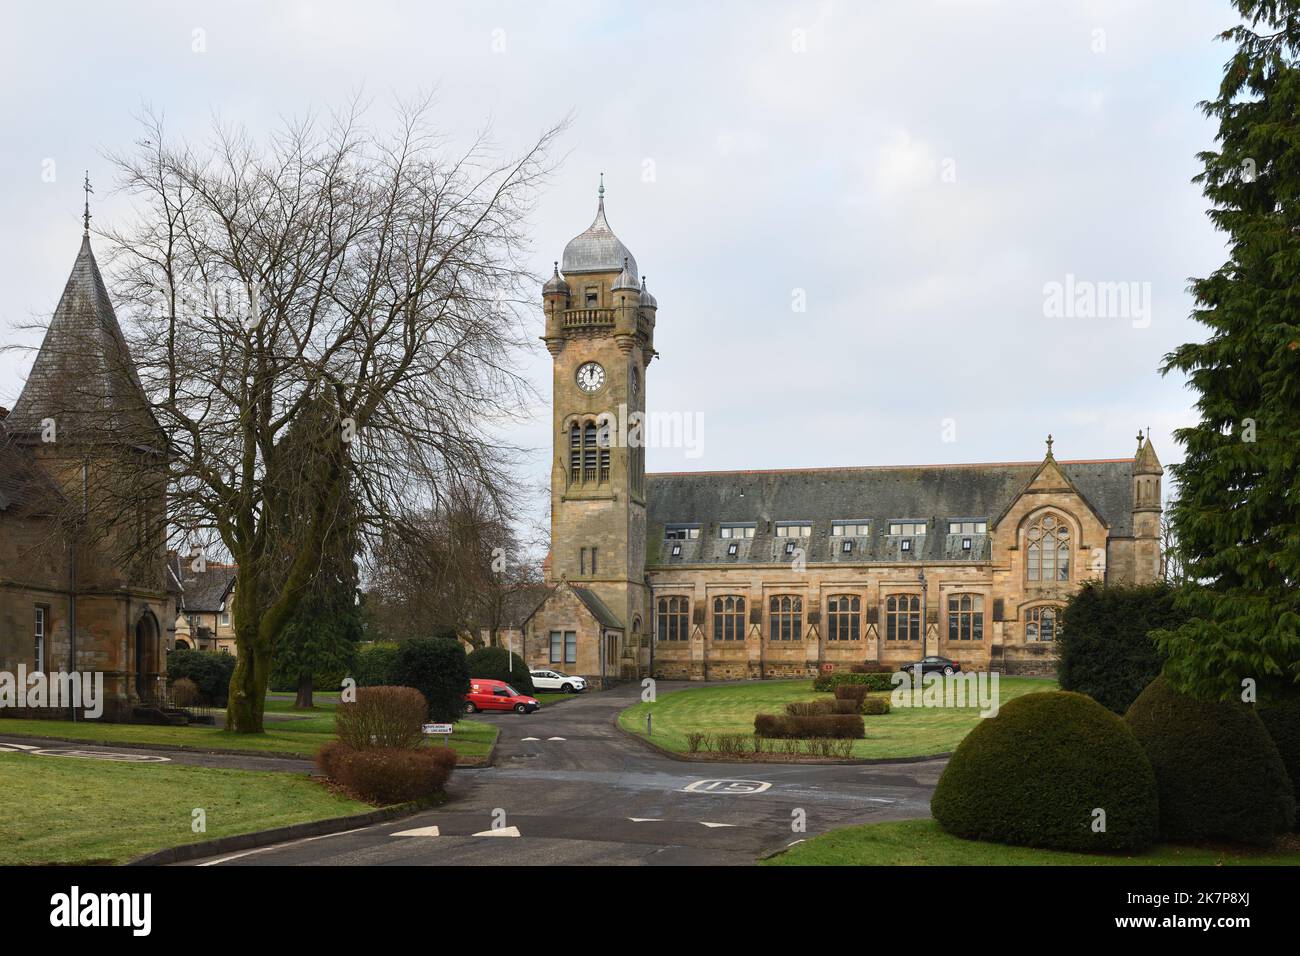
x=205, y=613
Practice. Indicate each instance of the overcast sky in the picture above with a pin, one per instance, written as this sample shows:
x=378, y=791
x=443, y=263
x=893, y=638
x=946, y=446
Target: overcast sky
x=916, y=173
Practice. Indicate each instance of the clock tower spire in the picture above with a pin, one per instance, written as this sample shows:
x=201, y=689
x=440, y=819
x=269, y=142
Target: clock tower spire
x=600, y=323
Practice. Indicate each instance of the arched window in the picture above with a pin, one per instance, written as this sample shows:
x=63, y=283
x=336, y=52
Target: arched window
x=728, y=618
x=843, y=617
x=903, y=617
x=674, y=623
x=1041, y=623
x=965, y=617
x=1048, y=549
x=785, y=618
x=575, y=453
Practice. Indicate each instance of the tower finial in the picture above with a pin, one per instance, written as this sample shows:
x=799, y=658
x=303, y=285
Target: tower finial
x=85, y=216
x=1049, y=444
x=600, y=193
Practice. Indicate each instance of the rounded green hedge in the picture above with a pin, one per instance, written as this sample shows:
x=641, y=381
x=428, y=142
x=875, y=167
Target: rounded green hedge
x=1219, y=773
x=1282, y=720
x=497, y=663
x=1036, y=774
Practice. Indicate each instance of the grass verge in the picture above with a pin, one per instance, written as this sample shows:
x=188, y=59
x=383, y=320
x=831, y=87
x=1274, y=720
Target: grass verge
x=65, y=811
x=923, y=843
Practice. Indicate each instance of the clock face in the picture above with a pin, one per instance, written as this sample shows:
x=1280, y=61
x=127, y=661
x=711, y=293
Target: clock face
x=590, y=376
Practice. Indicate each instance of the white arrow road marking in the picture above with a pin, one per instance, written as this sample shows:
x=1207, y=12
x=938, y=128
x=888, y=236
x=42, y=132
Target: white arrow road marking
x=716, y=825
x=418, y=831
x=554, y=738
x=502, y=831
x=9, y=746
x=645, y=819
x=529, y=738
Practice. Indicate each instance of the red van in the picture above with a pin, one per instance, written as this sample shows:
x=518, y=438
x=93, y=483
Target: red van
x=497, y=695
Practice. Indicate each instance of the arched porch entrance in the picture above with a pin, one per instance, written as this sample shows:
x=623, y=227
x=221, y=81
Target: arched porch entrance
x=148, y=655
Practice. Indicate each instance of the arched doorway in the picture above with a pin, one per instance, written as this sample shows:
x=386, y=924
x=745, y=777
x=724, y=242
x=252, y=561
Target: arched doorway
x=146, y=655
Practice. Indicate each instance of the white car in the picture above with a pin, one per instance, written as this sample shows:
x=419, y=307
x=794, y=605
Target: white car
x=554, y=680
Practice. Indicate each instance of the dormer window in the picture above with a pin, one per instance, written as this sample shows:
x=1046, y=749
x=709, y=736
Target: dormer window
x=736, y=530
x=792, y=530
x=846, y=529
x=681, y=532
x=907, y=527
x=968, y=527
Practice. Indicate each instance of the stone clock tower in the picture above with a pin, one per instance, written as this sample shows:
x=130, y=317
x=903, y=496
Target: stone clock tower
x=600, y=321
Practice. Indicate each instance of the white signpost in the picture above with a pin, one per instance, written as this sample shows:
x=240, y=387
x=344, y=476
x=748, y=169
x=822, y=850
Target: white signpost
x=439, y=730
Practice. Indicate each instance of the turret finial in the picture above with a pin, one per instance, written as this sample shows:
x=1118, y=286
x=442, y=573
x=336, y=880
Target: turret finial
x=1049, y=444
x=600, y=193
x=85, y=216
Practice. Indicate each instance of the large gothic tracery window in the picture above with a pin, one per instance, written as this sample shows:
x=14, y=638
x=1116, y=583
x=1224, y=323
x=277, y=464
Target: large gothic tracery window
x=1048, y=549
x=1041, y=623
x=589, y=454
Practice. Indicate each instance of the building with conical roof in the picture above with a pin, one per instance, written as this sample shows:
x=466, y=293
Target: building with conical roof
x=83, y=579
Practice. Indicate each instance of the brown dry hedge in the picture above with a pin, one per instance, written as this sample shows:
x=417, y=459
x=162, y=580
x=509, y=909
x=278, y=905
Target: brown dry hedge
x=784, y=726
x=386, y=775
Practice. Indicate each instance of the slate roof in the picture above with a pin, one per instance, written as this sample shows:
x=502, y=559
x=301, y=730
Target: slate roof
x=599, y=610
x=206, y=591
x=598, y=250
x=83, y=376
x=936, y=494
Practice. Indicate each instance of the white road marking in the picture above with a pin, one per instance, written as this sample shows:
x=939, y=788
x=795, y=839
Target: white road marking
x=103, y=755
x=529, y=738
x=554, y=738
x=714, y=826
x=418, y=831
x=279, y=846
x=645, y=819
x=499, y=832
x=795, y=842
x=726, y=786
x=12, y=746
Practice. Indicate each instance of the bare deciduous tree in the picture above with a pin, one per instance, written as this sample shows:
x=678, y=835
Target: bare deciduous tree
x=329, y=261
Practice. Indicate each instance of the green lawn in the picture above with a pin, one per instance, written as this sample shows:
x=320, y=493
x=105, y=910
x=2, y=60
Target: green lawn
x=472, y=739
x=922, y=843
x=59, y=810
x=904, y=732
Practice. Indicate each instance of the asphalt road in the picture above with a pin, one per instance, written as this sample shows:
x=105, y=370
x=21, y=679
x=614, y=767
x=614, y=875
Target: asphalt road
x=581, y=792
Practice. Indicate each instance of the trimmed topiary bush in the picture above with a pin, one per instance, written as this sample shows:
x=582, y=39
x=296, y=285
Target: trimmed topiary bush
x=382, y=717
x=209, y=670
x=819, y=725
x=873, y=681
x=875, y=706
x=497, y=663
x=1219, y=772
x=1282, y=721
x=1103, y=647
x=436, y=668
x=386, y=775
x=1035, y=774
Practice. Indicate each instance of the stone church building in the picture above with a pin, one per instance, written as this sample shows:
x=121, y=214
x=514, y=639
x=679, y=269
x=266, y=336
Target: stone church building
x=84, y=584
x=765, y=574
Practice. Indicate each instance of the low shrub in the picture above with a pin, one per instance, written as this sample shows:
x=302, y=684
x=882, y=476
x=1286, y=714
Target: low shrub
x=209, y=670
x=328, y=757
x=184, y=692
x=853, y=692
x=498, y=663
x=436, y=667
x=877, y=680
x=875, y=706
x=809, y=708
x=385, y=717
x=694, y=740
x=1219, y=772
x=374, y=664
x=785, y=726
x=830, y=747
x=386, y=775
x=846, y=706
x=1038, y=773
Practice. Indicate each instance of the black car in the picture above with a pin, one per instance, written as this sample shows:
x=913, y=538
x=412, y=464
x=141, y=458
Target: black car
x=931, y=665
